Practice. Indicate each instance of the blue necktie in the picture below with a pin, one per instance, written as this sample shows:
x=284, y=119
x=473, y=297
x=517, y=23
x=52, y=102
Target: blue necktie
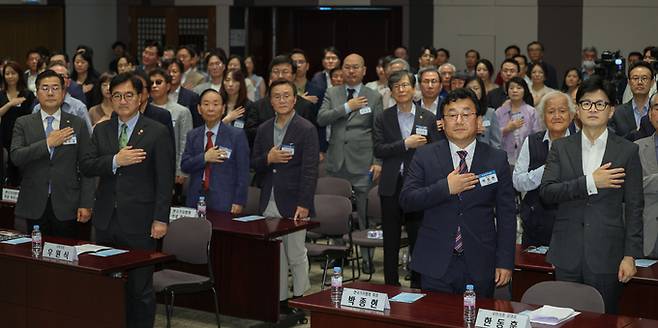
x=49, y=129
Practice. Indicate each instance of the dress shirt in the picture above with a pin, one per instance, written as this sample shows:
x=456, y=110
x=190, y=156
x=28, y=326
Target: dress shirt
x=639, y=112
x=433, y=107
x=406, y=122
x=592, y=158
x=74, y=107
x=523, y=179
x=131, y=125
x=470, y=151
x=357, y=90
x=214, y=130
x=173, y=96
x=279, y=133
x=58, y=117
x=327, y=77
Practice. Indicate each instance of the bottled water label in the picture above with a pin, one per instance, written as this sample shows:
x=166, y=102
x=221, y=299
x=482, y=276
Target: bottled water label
x=469, y=301
x=336, y=282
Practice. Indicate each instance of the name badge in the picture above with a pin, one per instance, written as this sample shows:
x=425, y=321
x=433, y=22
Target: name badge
x=60, y=252
x=422, y=130
x=365, y=110
x=488, y=178
x=238, y=124
x=226, y=151
x=497, y=319
x=179, y=212
x=71, y=141
x=364, y=299
x=486, y=123
x=289, y=148
x=10, y=195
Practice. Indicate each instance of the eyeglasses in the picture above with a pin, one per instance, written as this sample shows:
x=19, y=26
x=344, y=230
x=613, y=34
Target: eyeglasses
x=454, y=116
x=284, y=97
x=352, y=67
x=281, y=73
x=157, y=82
x=128, y=96
x=430, y=82
x=64, y=76
x=599, y=105
x=49, y=88
x=643, y=79
x=404, y=85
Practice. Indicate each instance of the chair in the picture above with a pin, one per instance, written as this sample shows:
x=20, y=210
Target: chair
x=333, y=213
x=565, y=294
x=333, y=186
x=189, y=240
x=253, y=198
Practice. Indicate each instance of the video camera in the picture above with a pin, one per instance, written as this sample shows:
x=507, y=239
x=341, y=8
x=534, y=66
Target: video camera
x=612, y=67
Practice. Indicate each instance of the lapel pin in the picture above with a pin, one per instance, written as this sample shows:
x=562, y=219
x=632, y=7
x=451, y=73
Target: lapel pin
x=140, y=132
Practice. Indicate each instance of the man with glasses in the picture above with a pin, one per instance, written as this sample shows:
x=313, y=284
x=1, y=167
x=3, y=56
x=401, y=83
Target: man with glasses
x=430, y=88
x=649, y=159
x=351, y=110
x=47, y=146
x=133, y=157
x=464, y=189
x=595, y=179
x=427, y=57
x=508, y=69
x=626, y=120
x=69, y=105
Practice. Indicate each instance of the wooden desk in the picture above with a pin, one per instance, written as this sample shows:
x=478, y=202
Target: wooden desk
x=46, y=293
x=245, y=259
x=639, y=297
x=433, y=310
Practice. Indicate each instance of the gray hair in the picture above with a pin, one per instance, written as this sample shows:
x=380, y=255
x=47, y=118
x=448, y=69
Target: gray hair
x=398, y=75
x=399, y=61
x=426, y=69
x=551, y=95
x=451, y=66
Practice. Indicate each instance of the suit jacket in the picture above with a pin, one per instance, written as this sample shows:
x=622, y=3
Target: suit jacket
x=161, y=116
x=229, y=181
x=596, y=228
x=75, y=90
x=293, y=182
x=261, y=111
x=351, y=142
x=139, y=193
x=488, y=238
x=390, y=148
x=193, y=78
x=69, y=189
x=623, y=120
x=190, y=100
x=647, y=152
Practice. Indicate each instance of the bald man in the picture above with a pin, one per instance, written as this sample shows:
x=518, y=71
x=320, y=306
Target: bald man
x=351, y=109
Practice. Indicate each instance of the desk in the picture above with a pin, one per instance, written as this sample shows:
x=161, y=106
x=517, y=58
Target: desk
x=433, y=310
x=245, y=259
x=46, y=293
x=639, y=297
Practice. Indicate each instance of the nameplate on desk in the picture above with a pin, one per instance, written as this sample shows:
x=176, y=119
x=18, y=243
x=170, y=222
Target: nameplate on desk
x=497, y=319
x=180, y=212
x=364, y=299
x=10, y=195
x=59, y=252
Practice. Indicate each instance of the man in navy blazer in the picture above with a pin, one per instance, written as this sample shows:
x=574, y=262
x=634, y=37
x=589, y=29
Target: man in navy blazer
x=219, y=171
x=465, y=189
x=286, y=154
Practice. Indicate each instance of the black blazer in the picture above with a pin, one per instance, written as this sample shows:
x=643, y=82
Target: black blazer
x=293, y=182
x=389, y=144
x=191, y=100
x=261, y=111
x=596, y=228
x=623, y=121
x=139, y=193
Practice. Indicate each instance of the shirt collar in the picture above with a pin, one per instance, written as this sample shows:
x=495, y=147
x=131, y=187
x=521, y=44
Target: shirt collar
x=131, y=122
x=412, y=112
x=214, y=129
x=566, y=134
x=357, y=88
x=57, y=115
x=644, y=108
x=470, y=149
x=601, y=139
x=285, y=125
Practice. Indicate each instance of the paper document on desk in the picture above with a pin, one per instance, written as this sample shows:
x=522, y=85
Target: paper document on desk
x=644, y=263
x=109, y=252
x=89, y=248
x=407, y=297
x=537, y=250
x=551, y=315
x=249, y=218
x=16, y=241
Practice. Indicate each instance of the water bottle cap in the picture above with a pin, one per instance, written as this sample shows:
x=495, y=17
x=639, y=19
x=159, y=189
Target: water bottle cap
x=202, y=197
x=337, y=270
x=36, y=227
x=469, y=287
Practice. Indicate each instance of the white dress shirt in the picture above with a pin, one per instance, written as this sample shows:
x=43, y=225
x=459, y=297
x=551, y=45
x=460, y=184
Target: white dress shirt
x=592, y=158
x=523, y=179
x=470, y=151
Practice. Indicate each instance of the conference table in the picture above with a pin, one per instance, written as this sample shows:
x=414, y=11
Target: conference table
x=434, y=310
x=639, y=297
x=41, y=292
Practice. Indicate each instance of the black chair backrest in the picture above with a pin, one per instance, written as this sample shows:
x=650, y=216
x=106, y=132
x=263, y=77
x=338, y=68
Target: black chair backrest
x=188, y=239
x=333, y=213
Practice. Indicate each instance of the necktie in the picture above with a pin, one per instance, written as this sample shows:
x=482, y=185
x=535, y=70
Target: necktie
x=463, y=168
x=123, y=136
x=206, y=172
x=350, y=93
x=546, y=146
x=49, y=129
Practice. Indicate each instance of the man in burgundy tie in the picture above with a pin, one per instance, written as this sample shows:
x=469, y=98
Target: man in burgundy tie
x=465, y=189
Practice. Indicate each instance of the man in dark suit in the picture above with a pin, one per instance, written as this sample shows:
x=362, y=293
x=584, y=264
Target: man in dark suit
x=260, y=111
x=508, y=69
x=216, y=157
x=134, y=159
x=286, y=154
x=47, y=146
x=398, y=132
x=626, y=120
x=465, y=189
x=536, y=55
x=318, y=86
x=153, y=112
x=595, y=178
x=190, y=100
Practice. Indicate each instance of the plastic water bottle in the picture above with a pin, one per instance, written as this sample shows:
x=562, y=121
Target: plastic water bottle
x=469, y=305
x=336, y=286
x=201, y=207
x=36, y=241
x=405, y=261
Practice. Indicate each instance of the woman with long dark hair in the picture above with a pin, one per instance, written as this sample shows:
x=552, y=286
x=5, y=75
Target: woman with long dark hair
x=85, y=75
x=16, y=100
x=234, y=96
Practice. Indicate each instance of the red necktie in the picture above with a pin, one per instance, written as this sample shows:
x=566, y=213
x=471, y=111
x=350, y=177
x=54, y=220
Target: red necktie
x=463, y=169
x=206, y=172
